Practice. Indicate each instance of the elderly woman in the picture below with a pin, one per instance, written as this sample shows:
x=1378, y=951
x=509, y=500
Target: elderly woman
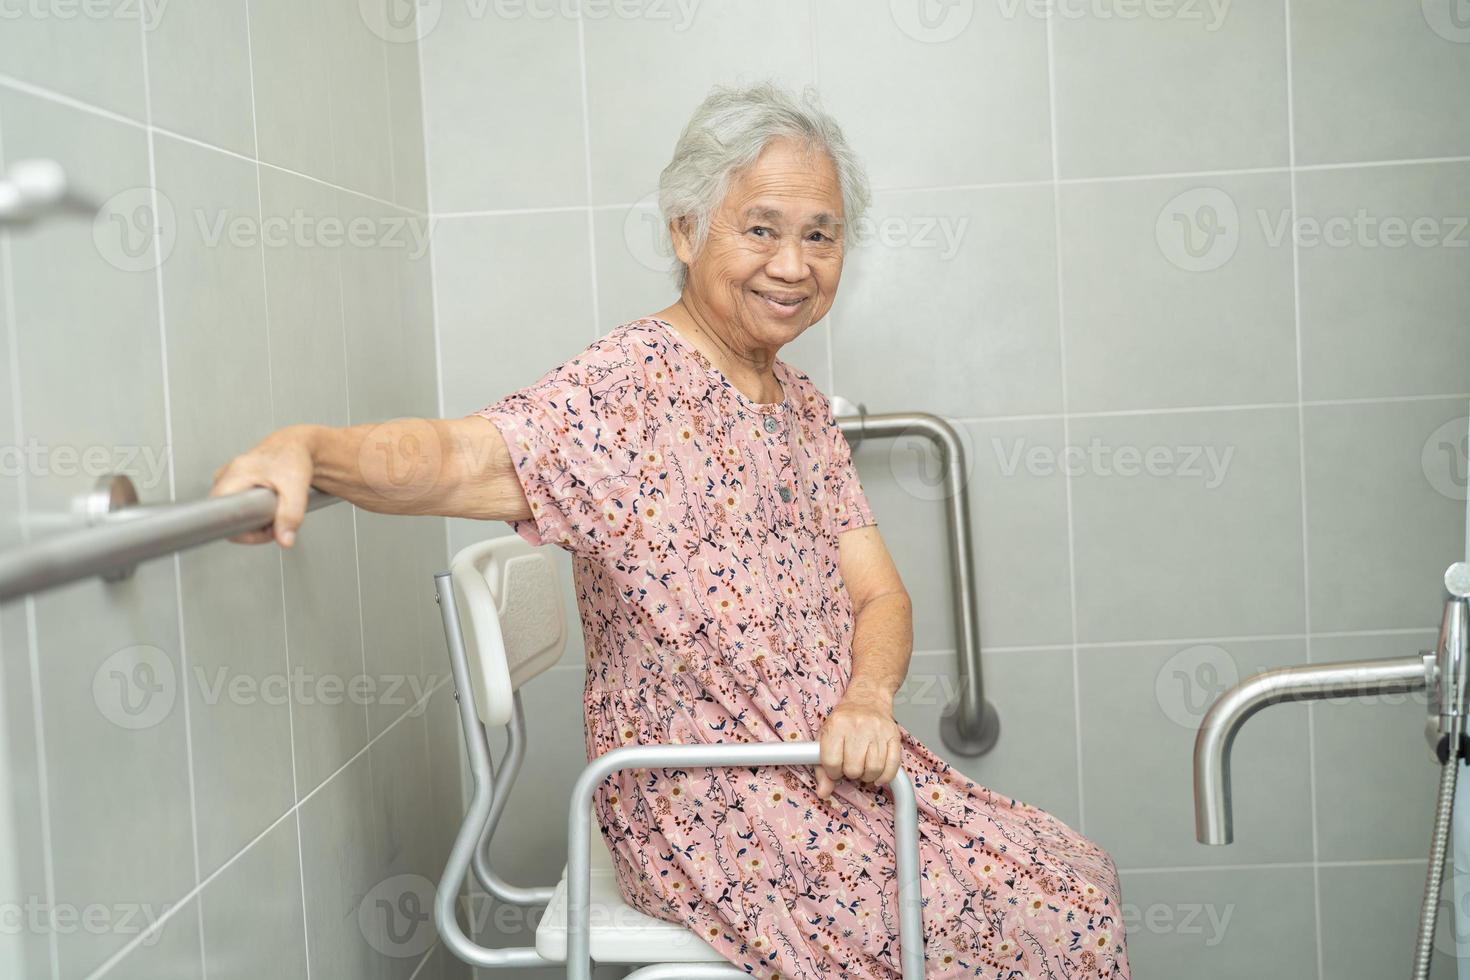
x=733, y=586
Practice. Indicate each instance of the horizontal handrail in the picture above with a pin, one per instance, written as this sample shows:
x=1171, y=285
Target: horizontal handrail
x=124, y=538
x=969, y=726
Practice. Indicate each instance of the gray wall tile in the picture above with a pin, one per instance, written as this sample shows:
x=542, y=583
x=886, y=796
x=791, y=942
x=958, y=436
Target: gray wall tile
x=1370, y=917
x=254, y=922
x=1187, y=524
x=950, y=305
x=1383, y=280
x=1221, y=924
x=524, y=147
x=1385, y=511
x=1363, y=78
x=1223, y=105
x=1174, y=296
x=199, y=73
x=986, y=74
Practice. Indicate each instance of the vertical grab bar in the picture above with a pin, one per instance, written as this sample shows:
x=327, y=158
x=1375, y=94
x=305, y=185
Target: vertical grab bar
x=970, y=725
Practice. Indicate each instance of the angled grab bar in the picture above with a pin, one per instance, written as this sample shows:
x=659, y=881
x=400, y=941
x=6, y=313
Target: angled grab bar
x=970, y=725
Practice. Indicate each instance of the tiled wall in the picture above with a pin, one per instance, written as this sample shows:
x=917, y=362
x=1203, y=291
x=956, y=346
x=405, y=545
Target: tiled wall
x=253, y=748
x=1201, y=446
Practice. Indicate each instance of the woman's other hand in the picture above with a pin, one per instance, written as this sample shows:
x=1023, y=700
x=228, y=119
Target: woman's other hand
x=861, y=741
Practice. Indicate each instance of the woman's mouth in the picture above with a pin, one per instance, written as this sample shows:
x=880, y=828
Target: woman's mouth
x=782, y=305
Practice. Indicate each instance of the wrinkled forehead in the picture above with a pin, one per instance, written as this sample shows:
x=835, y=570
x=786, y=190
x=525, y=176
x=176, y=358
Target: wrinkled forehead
x=787, y=184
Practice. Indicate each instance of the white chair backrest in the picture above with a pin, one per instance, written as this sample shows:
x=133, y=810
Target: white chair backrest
x=510, y=612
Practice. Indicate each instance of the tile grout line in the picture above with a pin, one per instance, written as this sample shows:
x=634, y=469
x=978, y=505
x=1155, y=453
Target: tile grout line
x=176, y=559
x=157, y=924
x=33, y=649
x=587, y=170
x=295, y=811
x=829, y=324
x=1279, y=866
x=1301, y=422
x=1014, y=184
x=1056, y=214
x=50, y=95
x=47, y=95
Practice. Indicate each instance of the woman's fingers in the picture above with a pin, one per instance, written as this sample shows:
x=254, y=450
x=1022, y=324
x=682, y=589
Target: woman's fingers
x=895, y=759
x=830, y=766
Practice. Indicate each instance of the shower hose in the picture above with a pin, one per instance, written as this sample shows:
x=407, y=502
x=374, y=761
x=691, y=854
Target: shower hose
x=1438, y=848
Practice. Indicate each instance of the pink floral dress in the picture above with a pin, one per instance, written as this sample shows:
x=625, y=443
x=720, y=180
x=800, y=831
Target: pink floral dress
x=703, y=528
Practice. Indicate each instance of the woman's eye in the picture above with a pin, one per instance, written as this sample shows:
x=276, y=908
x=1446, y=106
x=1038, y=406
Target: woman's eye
x=759, y=228
x=817, y=236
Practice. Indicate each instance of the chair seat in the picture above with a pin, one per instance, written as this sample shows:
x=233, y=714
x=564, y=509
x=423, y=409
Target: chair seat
x=620, y=933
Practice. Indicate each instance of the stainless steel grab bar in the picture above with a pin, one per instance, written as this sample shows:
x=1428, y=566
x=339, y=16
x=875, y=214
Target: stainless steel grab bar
x=970, y=725
x=1213, y=808
x=136, y=533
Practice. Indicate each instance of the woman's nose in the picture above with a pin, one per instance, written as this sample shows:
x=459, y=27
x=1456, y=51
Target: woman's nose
x=788, y=263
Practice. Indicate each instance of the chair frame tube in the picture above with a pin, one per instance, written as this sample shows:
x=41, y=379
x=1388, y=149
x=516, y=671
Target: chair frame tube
x=486, y=801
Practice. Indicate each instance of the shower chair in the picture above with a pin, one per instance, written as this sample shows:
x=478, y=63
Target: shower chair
x=501, y=605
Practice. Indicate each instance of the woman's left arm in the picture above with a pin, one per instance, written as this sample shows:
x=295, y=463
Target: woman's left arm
x=860, y=739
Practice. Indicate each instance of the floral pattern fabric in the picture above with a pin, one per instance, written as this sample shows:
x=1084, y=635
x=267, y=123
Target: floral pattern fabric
x=703, y=531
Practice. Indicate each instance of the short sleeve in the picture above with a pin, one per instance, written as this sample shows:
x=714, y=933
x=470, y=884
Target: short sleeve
x=574, y=438
x=847, y=505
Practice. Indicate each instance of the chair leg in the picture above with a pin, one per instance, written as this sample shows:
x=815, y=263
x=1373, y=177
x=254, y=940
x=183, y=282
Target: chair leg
x=465, y=843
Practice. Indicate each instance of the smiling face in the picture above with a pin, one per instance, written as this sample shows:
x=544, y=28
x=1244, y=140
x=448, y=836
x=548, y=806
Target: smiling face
x=770, y=265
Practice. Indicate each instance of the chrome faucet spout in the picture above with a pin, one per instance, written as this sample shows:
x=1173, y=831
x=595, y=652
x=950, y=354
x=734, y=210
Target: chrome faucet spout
x=1213, y=822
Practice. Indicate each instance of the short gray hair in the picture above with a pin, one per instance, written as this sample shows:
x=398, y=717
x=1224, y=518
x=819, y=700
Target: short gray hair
x=727, y=133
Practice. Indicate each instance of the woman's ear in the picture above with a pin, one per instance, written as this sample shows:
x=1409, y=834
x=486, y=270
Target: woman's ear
x=679, y=236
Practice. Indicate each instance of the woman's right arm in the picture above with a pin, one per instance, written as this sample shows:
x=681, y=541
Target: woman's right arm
x=450, y=467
